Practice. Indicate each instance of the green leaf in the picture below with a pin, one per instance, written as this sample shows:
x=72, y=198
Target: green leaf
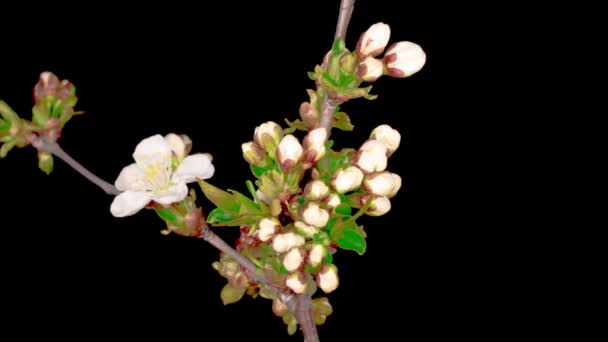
x=342, y=122
x=292, y=327
x=4, y=125
x=247, y=206
x=220, y=198
x=218, y=215
x=283, y=270
x=5, y=149
x=344, y=209
x=352, y=240
x=231, y=294
x=295, y=125
x=258, y=171
x=240, y=221
x=312, y=75
x=7, y=112
x=338, y=46
x=45, y=162
x=169, y=216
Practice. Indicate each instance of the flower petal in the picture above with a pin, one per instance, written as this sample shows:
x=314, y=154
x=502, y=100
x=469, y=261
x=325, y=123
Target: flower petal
x=196, y=166
x=131, y=178
x=155, y=145
x=129, y=203
x=175, y=193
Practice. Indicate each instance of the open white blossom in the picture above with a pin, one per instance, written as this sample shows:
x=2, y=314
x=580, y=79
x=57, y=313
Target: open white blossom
x=152, y=178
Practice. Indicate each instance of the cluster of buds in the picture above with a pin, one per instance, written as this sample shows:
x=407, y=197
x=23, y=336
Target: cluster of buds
x=402, y=59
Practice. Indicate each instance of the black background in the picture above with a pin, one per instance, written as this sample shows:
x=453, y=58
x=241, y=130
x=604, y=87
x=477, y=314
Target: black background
x=214, y=72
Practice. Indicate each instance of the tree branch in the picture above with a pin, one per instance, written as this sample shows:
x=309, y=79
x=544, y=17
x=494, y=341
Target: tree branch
x=53, y=147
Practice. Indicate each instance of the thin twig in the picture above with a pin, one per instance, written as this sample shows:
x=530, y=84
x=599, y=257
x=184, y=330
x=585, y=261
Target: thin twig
x=346, y=11
x=53, y=147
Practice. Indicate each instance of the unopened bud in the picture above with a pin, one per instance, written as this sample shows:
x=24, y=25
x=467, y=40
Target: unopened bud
x=379, y=206
x=317, y=254
x=332, y=200
x=397, y=180
x=347, y=179
x=371, y=157
x=267, y=136
x=373, y=41
x=289, y=153
x=296, y=282
x=347, y=63
x=180, y=145
x=327, y=279
x=278, y=307
x=267, y=228
x=370, y=69
x=305, y=230
x=314, y=215
x=253, y=154
x=403, y=59
x=314, y=146
x=309, y=114
x=316, y=190
x=286, y=241
x=380, y=184
x=293, y=259
x=389, y=136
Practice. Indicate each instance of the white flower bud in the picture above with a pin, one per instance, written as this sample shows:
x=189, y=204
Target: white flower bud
x=397, y=180
x=268, y=135
x=371, y=157
x=305, y=230
x=289, y=153
x=314, y=146
x=293, y=259
x=286, y=241
x=380, y=184
x=333, y=200
x=327, y=279
x=389, y=136
x=296, y=283
x=373, y=41
x=253, y=153
x=317, y=254
x=278, y=308
x=370, y=69
x=267, y=228
x=177, y=145
x=347, y=179
x=403, y=59
x=379, y=206
x=314, y=215
x=316, y=190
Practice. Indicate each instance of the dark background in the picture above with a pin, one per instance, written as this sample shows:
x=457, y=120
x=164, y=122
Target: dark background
x=214, y=72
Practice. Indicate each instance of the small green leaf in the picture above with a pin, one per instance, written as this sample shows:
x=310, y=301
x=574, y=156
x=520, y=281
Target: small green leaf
x=352, y=240
x=292, y=327
x=312, y=75
x=169, y=216
x=283, y=270
x=240, y=221
x=344, y=209
x=45, y=162
x=218, y=215
x=7, y=112
x=342, y=122
x=258, y=171
x=5, y=149
x=295, y=125
x=338, y=46
x=220, y=198
x=329, y=258
x=4, y=125
x=251, y=188
x=231, y=294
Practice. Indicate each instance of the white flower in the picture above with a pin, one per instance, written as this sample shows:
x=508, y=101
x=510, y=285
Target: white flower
x=403, y=59
x=379, y=206
x=315, y=190
x=327, y=279
x=267, y=228
x=289, y=153
x=293, y=259
x=370, y=69
x=314, y=215
x=374, y=40
x=295, y=283
x=286, y=241
x=371, y=157
x=179, y=145
x=389, y=136
x=152, y=178
x=317, y=254
x=381, y=184
x=347, y=179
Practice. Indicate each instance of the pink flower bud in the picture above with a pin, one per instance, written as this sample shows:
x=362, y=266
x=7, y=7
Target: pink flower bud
x=296, y=282
x=253, y=153
x=286, y=241
x=289, y=153
x=373, y=41
x=370, y=69
x=348, y=179
x=379, y=206
x=317, y=254
x=314, y=215
x=268, y=135
x=380, y=184
x=389, y=136
x=314, y=146
x=403, y=59
x=371, y=157
x=293, y=259
x=327, y=279
x=267, y=228
x=316, y=190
